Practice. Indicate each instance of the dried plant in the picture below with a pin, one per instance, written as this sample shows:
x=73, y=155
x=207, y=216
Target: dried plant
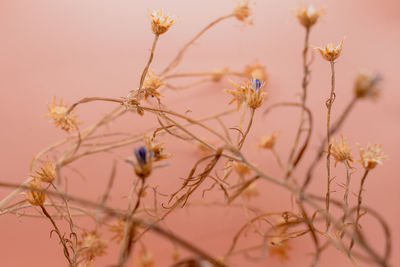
x=239, y=180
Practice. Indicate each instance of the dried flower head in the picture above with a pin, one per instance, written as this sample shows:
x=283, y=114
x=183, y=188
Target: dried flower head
x=340, y=150
x=240, y=168
x=255, y=96
x=161, y=21
x=250, y=93
x=308, y=15
x=35, y=197
x=242, y=12
x=372, y=156
x=366, y=85
x=145, y=259
x=91, y=246
x=239, y=94
x=58, y=112
x=150, y=85
x=330, y=52
x=268, y=141
x=46, y=172
x=142, y=161
x=256, y=71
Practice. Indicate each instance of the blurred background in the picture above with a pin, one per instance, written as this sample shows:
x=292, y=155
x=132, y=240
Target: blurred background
x=73, y=49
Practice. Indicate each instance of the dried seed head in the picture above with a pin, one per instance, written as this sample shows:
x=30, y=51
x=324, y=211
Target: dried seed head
x=58, y=112
x=308, y=15
x=268, y=141
x=330, y=52
x=372, y=156
x=91, y=246
x=46, y=172
x=118, y=230
x=150, y=85
x=256, y=71
x=242, y=12
x=255, y=96
x=35, y=197
x=366, y=85
x=240, y=168
x=161, y=21
x=340, y=150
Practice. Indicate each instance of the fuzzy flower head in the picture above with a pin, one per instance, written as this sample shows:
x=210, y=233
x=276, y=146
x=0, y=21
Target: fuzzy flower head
x=150, y=85
x=372, y=156
x=340, y=150
x=366, y=85
x=330, y=52
x=46, y=172
x=34, y=195
x=308, y=15
x=142, y=161
x=161, y=21
x=243, y=12
x=91, y=246
x=58, y=112
x=268, y=141
x=256, y=71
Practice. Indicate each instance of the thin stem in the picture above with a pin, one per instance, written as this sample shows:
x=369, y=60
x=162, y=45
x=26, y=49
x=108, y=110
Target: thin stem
x=247, y=130
x=62, y=239
x=329, y=103
x=146, y=68
x=359, y=206
x=304, y=84
x=335, y=127
x=181, y=52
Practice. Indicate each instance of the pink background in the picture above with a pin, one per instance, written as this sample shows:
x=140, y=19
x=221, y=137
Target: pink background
x=72, y=49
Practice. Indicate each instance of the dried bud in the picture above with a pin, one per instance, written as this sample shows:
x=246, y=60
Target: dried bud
x=241, y=168
x=35, y=196
x=308, y=15
x=268, y=141
x=242, y=11
x=160, y=21
x=340, y=150
x=330, y=52
x=218, y=74
x=366, y=85
x=372, y=156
